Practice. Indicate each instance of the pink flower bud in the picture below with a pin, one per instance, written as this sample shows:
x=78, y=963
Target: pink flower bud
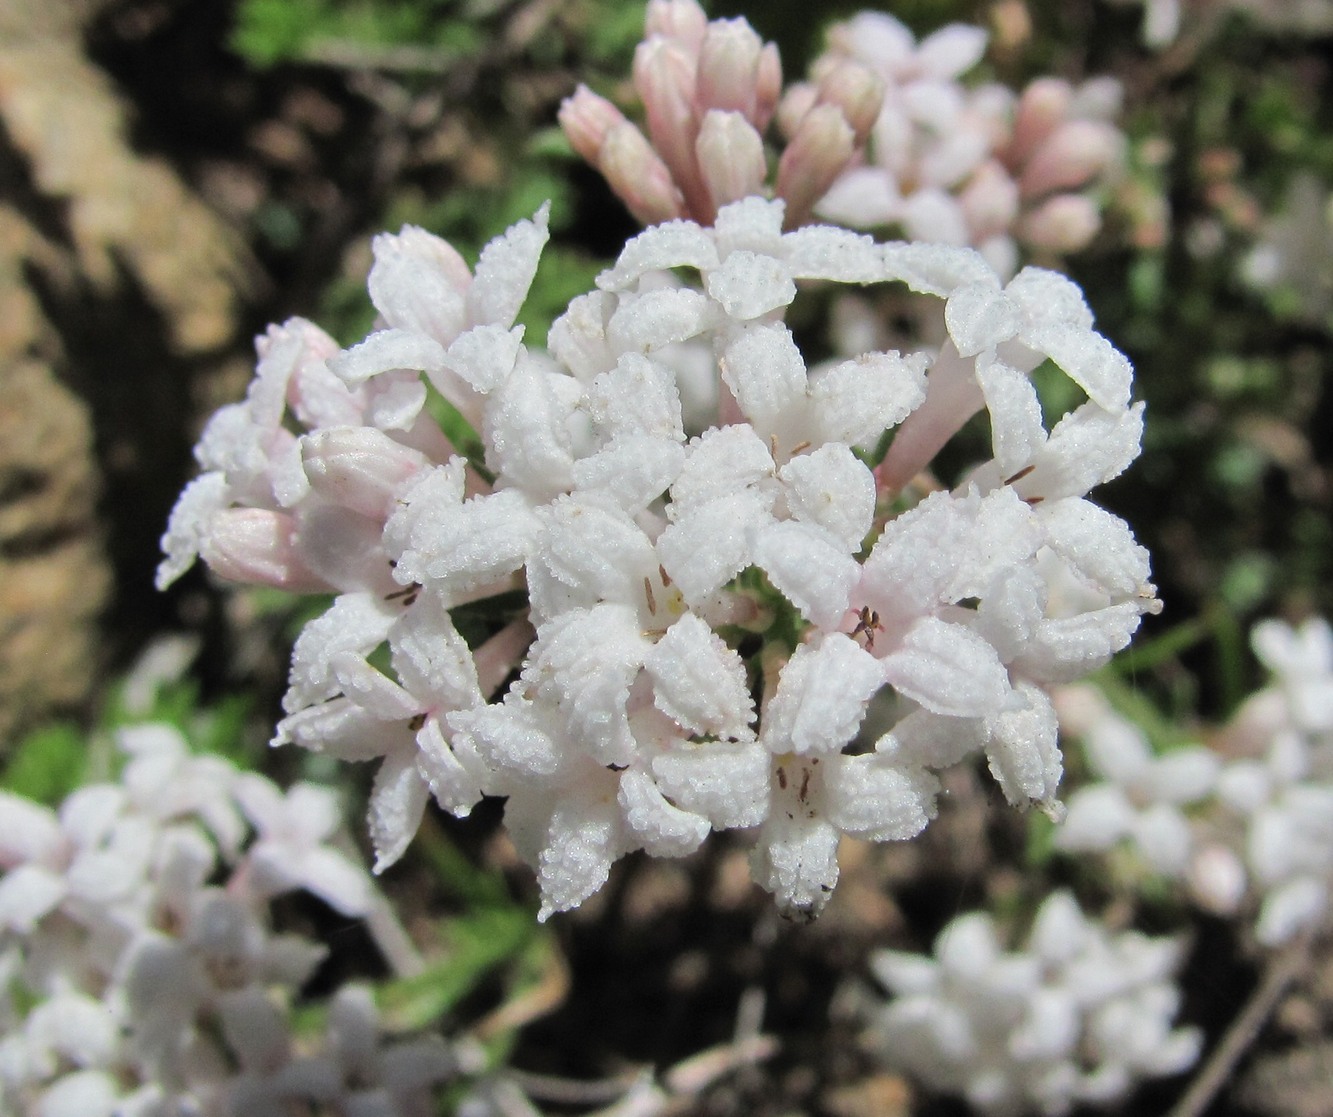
x=858, y=92
x=664, y=76
x=989, y=200
x=731, y=157
x=359, y=467
x=728, y=67
x=1064, y=223
x=419, y=282
x=798, y=100
x=1043, y=105
x=822, y=147
x=1071, y=156
x=767, y=86
x=586, y=119
x=259, y=547
x=681, y=20
x=639, y=176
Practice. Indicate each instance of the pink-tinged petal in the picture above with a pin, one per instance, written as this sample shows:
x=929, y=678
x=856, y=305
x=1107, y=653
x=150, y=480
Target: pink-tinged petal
x=419, y=283
x=731, y=157
x=360, y=468
x=862, y=197
x=259, y=547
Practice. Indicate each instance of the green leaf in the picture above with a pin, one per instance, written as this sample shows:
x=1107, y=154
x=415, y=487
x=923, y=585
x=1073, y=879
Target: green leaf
x=48, y=764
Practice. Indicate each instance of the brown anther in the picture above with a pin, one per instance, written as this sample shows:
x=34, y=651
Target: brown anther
x=418, y=720
x=804, y=793
x=407, y=596
x=782, y=777
x=1020, y=474
x=867, y=624
x=666, y=578
x=1033, y=501
x=801, y=447
x=648, y=593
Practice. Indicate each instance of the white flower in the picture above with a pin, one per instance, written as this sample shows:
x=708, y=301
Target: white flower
x=1080, y=1015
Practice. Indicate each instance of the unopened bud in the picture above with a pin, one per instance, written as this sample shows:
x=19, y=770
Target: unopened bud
x=989, y=200
x=1064, y=223
x=731, y=157
x=681, y=20
x=259, y=547
x=822, y=147
x=798, y=100
x=639, y=176
x=359, y=467
x=664, y=76
x=767, y=86
x=1042, y=106
x=1074, y=154
x=858, y=92
x=419, y=282
x=586, y=119
x=728, y=67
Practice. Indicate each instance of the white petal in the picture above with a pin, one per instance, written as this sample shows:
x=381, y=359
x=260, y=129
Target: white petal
x=1047, y=295
x=187, y=527
x=669, y=245
x=663, y=830
x=796, y=860
x=1098, y=546
x=583, y=839
x=858, y=400
x=1092, y=362
x=810, y=567
x=649, y=321
x=1098, y=817
x=709, y=546
x=637, y=397
x=720, y=462
x=833, y=488
x=878, y=801
x=725, y=783
x=749, y=285
x=821, y=697
x=484, y=356
x=632, y=472
x=700, y=682
x=980, y=317
x=766, y=373
x=397, y=801
x=1023, y=751
x=948, y=669
x=387, y=351
x=505, y=270
x=1017, y=430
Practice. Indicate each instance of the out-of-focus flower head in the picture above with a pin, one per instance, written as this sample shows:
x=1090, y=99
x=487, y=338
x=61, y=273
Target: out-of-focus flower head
x=709, y=90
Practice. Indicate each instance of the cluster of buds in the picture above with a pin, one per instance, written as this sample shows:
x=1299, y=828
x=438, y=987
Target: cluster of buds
x=883, y=135
x=721, y=578
x=1244, y=825
x=140, y=974
x=709, y=91
x=1009, y=175
x=1079, y=1016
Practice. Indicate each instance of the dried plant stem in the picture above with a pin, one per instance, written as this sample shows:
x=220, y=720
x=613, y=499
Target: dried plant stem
x=1282, y=969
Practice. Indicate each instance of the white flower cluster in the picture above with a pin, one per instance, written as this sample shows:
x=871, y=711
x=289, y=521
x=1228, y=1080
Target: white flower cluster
x=670, y=444
x=975, y=165
x=1260, y=825
x=1080, y=1015
x=139, y=972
